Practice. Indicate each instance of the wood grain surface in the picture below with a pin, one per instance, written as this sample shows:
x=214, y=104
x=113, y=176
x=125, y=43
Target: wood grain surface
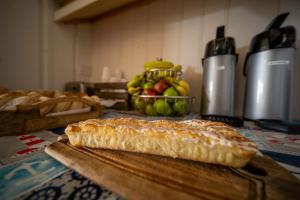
x=142, y=176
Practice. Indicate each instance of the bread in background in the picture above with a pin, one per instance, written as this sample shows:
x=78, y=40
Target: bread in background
x=76, y=105
x=46, y=109
x=11, y=99
x=21, y=100
x=6, y=98
x=62, y=106
x=96, y=99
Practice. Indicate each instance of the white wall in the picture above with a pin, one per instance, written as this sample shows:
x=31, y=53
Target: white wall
x=58, y=49
x=20, y=44
x=35, y=52
x=178, y=30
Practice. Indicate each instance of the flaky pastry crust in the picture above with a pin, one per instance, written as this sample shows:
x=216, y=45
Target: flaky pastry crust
x=199, y=140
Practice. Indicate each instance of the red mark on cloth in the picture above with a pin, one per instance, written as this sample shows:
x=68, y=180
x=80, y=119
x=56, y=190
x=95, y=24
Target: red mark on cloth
x=27, y=137
x=34, y=142
x=24, y=151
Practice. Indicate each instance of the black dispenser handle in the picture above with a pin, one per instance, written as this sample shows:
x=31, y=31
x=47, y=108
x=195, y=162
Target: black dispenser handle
x=277, y=21
x=220, y=32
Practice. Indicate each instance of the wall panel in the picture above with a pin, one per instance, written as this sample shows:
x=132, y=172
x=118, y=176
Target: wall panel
x=190, y=51
x=139, y=37
x=155, y=30
x=178, y=30
x=20, y=50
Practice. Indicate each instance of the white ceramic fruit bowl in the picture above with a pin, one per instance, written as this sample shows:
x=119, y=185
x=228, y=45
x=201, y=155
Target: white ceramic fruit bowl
x=153, y=73
x=163, y=105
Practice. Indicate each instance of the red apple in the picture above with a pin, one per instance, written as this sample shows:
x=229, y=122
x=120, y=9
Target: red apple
x=160, y=86
x=149, y=92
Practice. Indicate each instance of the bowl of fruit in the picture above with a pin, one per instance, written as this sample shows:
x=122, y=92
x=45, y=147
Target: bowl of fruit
x=163, y=105
x=160, y=90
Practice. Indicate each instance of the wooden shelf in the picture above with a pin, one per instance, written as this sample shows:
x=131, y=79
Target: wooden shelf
x=86, y=9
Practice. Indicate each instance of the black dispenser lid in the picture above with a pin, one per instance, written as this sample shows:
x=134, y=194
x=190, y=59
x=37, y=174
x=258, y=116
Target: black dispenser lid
x=221, y=45
x=274, y=37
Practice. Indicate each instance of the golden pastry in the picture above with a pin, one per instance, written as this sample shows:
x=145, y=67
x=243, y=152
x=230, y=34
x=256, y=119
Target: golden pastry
x=199, y=140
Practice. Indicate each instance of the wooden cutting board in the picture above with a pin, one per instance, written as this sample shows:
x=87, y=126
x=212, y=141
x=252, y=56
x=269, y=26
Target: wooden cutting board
x=142, y=176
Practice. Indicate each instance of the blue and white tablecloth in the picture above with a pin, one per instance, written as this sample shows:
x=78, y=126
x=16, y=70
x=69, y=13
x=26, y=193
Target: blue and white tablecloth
x=26, y=172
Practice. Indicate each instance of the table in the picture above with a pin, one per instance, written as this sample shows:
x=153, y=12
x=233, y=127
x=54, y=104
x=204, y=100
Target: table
x=26, y=172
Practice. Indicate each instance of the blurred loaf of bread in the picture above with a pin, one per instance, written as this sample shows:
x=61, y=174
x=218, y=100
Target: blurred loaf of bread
x=63, y=106
x=9, y=100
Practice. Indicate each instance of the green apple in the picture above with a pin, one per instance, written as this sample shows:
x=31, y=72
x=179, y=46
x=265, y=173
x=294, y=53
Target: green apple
x=171, y=91
x=139, y=104
x=148, y=85
x=181, y=107
x=169, y=111
x=150, y=110
x=161, y=106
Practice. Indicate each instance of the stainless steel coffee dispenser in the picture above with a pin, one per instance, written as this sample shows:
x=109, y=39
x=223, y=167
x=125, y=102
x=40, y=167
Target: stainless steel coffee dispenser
x=219, y=65
x=269, y=70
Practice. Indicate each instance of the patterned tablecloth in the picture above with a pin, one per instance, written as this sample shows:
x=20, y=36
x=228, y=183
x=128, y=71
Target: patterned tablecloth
x=26, y=172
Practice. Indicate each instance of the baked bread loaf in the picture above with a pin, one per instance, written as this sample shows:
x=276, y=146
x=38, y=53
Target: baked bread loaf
x=60, y=107
x=46, y=101
x=22, y=100
x=7, y=97
x=45, y=110
x=93, y=98
x=199, y=140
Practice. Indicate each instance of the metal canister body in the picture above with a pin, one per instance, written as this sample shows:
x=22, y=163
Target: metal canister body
x=218, y=85
x=269, y=84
